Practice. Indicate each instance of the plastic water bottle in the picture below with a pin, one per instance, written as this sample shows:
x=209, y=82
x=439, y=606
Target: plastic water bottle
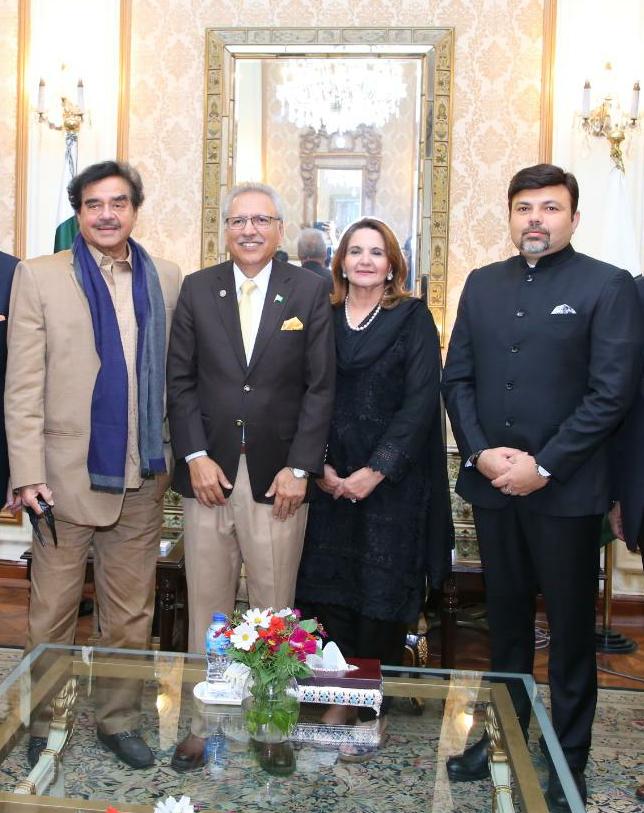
x=217, y=646
x=215, y=753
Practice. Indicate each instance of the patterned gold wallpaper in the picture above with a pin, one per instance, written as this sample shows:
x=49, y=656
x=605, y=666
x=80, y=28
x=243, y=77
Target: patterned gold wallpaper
x=8, y=68
x=496, y=108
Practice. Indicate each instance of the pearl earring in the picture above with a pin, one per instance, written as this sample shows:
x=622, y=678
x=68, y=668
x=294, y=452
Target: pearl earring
x=344, y=275
x=390, y=276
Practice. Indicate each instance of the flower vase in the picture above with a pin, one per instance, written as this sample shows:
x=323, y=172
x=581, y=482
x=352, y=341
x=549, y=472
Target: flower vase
x=270, y=708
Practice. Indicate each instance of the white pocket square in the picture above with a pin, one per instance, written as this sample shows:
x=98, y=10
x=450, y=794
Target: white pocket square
x=565, y=309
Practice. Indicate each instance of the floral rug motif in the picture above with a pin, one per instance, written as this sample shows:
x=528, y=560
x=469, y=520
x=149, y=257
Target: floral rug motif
x=407, y=774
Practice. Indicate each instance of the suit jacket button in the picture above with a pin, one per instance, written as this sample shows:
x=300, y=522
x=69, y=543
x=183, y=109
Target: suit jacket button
x=509, y=385
x=508, y=422
x=520, y=313
x=247, y=388
x=514, y=348
x=239, y=422
x=529, y=278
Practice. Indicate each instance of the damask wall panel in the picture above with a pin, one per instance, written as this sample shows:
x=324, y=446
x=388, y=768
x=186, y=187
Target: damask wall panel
x=8, y=105
x=495, y=109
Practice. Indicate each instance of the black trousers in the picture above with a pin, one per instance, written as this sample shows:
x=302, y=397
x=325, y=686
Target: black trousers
x=524, y=553
x=361, y=637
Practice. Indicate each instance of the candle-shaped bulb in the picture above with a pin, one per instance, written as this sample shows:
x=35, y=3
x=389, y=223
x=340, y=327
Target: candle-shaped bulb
x=635, y=101
x=585, y=101
x=41, y=97
x=80, y=96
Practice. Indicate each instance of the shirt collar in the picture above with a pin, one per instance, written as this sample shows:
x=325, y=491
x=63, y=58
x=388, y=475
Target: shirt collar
x=261, y=279
x=104, y=260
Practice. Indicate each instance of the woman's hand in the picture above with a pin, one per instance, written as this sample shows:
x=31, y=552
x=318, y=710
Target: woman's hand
x=360, y=484
x=330, y=482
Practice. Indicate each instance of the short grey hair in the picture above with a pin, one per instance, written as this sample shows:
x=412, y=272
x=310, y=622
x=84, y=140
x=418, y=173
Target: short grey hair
x=252, y=186
x=311, y=244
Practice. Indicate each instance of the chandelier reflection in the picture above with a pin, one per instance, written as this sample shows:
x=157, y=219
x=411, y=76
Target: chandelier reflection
x=338, y=95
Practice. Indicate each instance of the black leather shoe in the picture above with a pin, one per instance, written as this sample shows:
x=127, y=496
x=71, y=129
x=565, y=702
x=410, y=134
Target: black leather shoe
x=129, y=747
x=189, y=754
x=35, y=748
x=555, y=794
x=472, y=764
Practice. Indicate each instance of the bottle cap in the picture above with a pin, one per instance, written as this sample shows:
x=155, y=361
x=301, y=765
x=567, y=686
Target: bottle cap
x=219, y=617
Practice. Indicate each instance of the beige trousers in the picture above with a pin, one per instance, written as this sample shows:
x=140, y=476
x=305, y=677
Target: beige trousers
x=217, y=540
x=125, y=556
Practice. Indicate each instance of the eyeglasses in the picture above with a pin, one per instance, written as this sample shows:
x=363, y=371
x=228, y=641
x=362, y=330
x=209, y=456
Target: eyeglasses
x=259, y=221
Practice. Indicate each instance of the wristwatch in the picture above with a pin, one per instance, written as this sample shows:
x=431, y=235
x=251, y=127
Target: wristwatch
x=299, y=474
x=474, y=458
x=542, y=472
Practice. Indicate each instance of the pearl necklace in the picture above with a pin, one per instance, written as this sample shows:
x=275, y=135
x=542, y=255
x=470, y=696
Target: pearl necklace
x=369, y=320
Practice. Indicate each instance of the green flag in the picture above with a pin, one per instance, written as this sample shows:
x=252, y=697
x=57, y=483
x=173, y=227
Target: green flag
x=65, y=233
x=66, y=223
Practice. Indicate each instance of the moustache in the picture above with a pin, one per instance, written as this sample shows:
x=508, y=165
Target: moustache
x=535, y=231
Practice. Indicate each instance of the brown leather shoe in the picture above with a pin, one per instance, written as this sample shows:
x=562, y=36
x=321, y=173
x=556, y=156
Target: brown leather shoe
x=189, y=754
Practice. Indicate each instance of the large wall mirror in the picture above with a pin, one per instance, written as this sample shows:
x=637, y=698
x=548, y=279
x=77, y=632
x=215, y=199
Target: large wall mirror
x=344, y=123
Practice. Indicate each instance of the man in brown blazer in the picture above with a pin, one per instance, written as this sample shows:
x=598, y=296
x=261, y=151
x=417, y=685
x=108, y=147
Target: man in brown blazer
x=251, y=372
x=85, y=405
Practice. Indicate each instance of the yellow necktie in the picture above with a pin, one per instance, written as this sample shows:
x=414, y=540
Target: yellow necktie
x=246, y=314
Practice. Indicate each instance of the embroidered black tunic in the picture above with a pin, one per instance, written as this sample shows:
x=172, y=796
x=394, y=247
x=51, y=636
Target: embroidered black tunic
x=375, y=556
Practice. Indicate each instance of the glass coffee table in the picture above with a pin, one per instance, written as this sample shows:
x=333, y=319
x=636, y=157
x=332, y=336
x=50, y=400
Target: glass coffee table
x=434, y=714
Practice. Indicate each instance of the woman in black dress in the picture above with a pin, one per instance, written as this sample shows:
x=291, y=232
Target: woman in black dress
x=379, y=525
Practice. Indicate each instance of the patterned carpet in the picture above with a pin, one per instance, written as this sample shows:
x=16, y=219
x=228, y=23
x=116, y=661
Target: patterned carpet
x=407, y=774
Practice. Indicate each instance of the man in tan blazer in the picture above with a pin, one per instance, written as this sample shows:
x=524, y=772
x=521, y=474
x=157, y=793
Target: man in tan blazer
x=251, y=377
x=85, y=403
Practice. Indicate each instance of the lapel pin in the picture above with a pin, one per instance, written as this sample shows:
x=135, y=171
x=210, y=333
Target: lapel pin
x=222, y=293
x=278, y=298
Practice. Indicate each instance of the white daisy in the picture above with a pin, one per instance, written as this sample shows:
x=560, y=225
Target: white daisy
x=244, y=636
x=258, y=618
x=171, y=805
x=284, y=613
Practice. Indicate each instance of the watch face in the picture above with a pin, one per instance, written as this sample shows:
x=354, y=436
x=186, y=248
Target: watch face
x=299, y=473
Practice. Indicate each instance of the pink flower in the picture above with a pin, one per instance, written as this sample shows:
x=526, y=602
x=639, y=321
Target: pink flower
x=302, y=642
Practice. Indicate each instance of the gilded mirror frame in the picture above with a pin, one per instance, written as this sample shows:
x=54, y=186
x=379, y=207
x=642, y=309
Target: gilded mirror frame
x=318, y=150
x=433, y=46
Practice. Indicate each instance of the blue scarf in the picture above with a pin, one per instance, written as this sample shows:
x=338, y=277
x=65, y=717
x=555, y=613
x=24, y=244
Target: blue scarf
x=109, y=414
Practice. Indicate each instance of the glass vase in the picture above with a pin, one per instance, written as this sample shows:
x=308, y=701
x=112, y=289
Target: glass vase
x=270, y=709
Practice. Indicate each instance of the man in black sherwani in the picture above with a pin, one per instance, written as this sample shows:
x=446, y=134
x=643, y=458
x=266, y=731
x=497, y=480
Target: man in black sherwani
x=542, y=366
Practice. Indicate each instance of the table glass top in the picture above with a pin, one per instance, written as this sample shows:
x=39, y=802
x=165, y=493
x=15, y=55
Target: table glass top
x=434, y=714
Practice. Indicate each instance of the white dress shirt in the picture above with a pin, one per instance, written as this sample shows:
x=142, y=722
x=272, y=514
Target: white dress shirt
x=257, y=298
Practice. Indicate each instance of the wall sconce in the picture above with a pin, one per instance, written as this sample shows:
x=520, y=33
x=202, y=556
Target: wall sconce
x=607, y=119
x=72, y=114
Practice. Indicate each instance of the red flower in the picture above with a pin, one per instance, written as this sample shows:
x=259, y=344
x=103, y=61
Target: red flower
x=276, y=624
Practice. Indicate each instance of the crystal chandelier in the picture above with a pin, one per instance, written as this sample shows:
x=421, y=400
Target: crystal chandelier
x=340, y=94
